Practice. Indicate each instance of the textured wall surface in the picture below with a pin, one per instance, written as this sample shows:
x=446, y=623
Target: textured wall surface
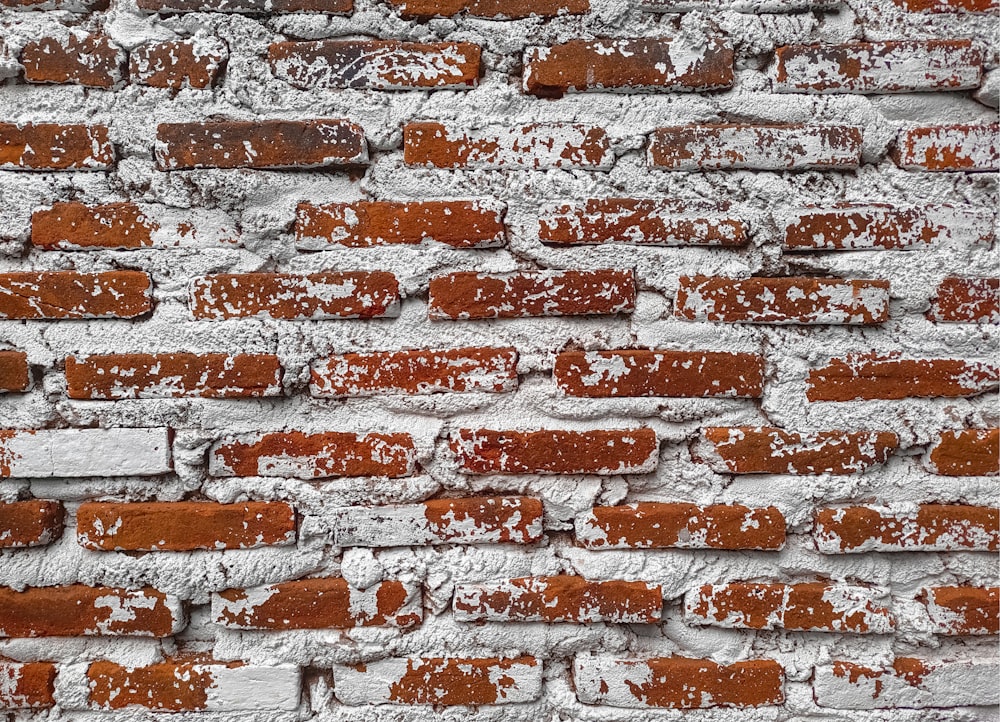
x=499, y=360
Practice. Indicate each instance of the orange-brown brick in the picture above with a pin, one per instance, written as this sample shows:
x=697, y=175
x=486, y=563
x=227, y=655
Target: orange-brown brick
x=470, y=295
x=50, y=146
x=313, y=296
x=90, y=60
x=77, y=225
x=36, y=295
x=459, y=370
x=602, y=374
x=966, y=300
x=847, y=227
x=183, y=525
x=30, y=523
x=949, y=148
x=558, y=599
x=963, y=611
x=461, y=224
x=928, y=527
x=179, y=64
x=655, y=525
x=769, y=450
x=77, y=610
x=172, y=375
x=782, y=300
x=14, y=372
x=497, y=9
x=966, y=452
x=30, y=685
x=605, y=452
x=877, y=376
x=628, y=64
x=333, y=7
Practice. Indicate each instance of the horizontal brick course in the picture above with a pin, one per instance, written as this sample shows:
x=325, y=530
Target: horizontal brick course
x=495, y=9
x=41, y=295
x=50, y=147
x=963, y=610
x=334, y=7
x=179, y=64
x=29, y=685
x=858, y=226
x=949, y=148
x=966, y=452
x=47, y=453
x=966, y=300
x=90, y=60
x=907, y=528
x=76, y=225
x=14, y=372
x=30, y=523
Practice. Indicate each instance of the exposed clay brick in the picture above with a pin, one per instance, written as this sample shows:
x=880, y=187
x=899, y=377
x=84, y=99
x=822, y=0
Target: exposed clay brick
x=440, y=681
x=638, y=221
x=296, y=297
x=14, y=372
x=458, y=370
x=677, y=682
x=782, y=300
x=325, y=603
x=809, y=607
x=375, y=64
x=907, y=528
x=90, y=60
x=966, y=300
x=558, y=599
x=470, y=295
x=30, y=685
x=655, y=525
x=314, y=456
x=949, y=6
x=477, y=520
x=183, y=685
x=50, y=146
x=333, y=7
x=172, y=375
x=628, y=64
x=496, y=9
x=963, y=611
x=179, y=64
x=184, y=525
x=730, y=146
x=461, y=224
x=603, y=374
x=48, y=453
x=538, y=146
x=949, y=148
x=886, y=67
x=259, y=144
x=76, y=225
x=907, y=683
x=35, y=295
x=967, y=452
x=77, y=610
x=768, y=450
x=603, y=452
x=878, y=376
x=30, y=524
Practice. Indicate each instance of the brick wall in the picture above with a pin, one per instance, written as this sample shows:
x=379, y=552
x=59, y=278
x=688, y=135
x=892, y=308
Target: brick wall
x=492, y=360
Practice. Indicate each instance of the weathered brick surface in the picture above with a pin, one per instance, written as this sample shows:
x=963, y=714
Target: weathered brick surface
x=178, y=64
x=496, y=9
x=27, y=686
x=948, y=6
x=855, y=226
x=963, y=610
x=949, y=148
x=30, y=523
x=967, y=452
x=47, y=453
x=334, y=7
x=38, y=295
x=966, y=300
x=90, y=60
x=79, y=226
x=50, y=146
x=928, y=527
x=14, y=372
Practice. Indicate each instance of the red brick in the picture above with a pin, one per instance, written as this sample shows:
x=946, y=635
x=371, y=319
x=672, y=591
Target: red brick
x=628, y=64
x=30, y=523
x=184, y=525
x=296, y=297
x=314, y=456
x=27, y=686
x=604, y=452
x=558, y=599
x=172, y=375
x=461, y=224
x=440, y=681
x=655, y=525
x=50, y=146
x=768, y=450
x=72, y=6
x=885, y=67
x=333, y=7
x=963, y=611
x=949, y=6
x=537, y=146
x=179, y=64
x=949, y=148
x=928, y=527
x=259, y=144
x=782, y=300
x=90, y=60
x=813, y=606
x=677, y=682
x=77, y=610
x=457, y=370
x=878, y=376
x=34, y=295
x=325, y=603
x=639, y=221
x=497, y=9
x=966, y=300
x=375, y=64
x=966, y=452
x=14, y=372
x=756, y=147
x=76, y=225
x=470, y=295
x=603, y=374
